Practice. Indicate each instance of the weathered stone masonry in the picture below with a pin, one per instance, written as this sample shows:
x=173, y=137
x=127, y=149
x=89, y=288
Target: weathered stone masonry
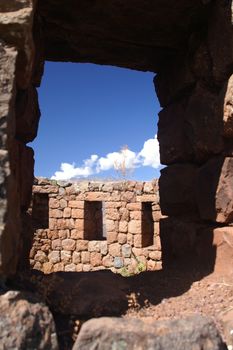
x=88, y=226
x=188, y=44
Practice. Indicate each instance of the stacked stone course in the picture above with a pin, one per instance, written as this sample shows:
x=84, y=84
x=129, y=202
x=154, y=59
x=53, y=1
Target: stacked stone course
x=64, y=245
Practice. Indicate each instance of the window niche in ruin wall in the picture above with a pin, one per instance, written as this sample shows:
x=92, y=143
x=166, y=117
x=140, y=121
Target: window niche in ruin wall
x=90, y=228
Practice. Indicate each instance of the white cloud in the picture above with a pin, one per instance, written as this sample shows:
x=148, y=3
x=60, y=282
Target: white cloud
x=148, y=156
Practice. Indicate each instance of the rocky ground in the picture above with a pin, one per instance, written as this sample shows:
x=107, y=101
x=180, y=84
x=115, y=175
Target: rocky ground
x=211, y=296
x=164, y=295
x=175, y=292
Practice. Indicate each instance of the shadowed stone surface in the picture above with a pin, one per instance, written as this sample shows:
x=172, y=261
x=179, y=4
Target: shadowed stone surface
x=214, y=190
x=194, y=333
x=114, y=32
x=25, y=323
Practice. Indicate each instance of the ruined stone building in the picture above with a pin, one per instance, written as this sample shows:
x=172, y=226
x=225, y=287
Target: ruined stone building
x=189, y=46
x=89, y=226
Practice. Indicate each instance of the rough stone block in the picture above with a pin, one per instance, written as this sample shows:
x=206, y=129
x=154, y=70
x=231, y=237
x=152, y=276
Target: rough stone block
x=136, y=215
x=68, y=244
x=82, y=245
x=123, y=226
x=185, y=334
x=35, y=326
x=177, y=190
x=104, y=247
x=118, y=262
x=47, y=267
x=85, y=257
x=115, y=249
x=76, y=258
x=94, y=246
x=124, y=214
x=76, y=204
x=214, y=190
x=86, y=268
x=107, y=261
x=134, y=226
x=134, y=206
x=76, y=234
x=63, y=203
x=67, y=213
x=95, y=259
x=126, y=250
x=156, y=255
x=56, y=244
x=77, y=213
x=112, y=237
x=137, y=241
x=54, y=257
x=53, y=203
x=79, y=224
x=122, y=238
x=70, y=268
x=56, y=213
x=66, y=256
x=110, y=226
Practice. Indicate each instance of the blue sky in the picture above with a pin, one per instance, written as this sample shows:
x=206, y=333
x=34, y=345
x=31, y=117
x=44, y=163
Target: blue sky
x=88, y=112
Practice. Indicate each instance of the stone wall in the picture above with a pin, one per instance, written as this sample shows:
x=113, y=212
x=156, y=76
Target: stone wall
x=189, y=47
x=88, y=226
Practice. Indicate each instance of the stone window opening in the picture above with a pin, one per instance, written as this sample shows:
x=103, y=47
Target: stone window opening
x=147, y=225
x=40, y=211
x=94, y=221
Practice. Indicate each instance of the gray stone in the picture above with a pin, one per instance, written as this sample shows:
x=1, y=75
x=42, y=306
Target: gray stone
x=126, y=250
x=118, y=262
x=194, y=333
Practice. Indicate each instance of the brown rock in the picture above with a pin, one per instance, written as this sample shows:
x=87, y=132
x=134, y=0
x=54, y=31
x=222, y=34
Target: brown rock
x=76, y=234
x=76, y=204
x=82, y=245
x=107, y=261
x=47, y=267
x=53, y=203
x=56, y=244
x=65, y=256
x=94, y=246
x=135, y=215
x=204, y=124
x=35, y=326
x=55, y=213
x=227, y=96
x=67, y=213
x=68, y=244
x=134, y=206
x=85, y=257
x=134, y=226
x=70, y=268
x=27, y=114
x=54, y=257
x=110, y=226
x=115, y=249
x=122, y=238
x=177, y=190
x=196, y=332
x=77, y=213
x=137, y=241
x=76, y=258
x=123, y=226
x=95, y=259
x=173, y=141
x=214, y=190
